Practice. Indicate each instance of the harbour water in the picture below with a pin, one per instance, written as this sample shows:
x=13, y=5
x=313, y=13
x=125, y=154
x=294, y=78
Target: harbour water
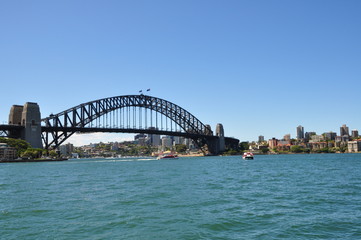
x=271, y=197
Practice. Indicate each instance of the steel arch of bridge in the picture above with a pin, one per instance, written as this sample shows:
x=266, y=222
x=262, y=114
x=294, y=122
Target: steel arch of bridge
x=58, y=127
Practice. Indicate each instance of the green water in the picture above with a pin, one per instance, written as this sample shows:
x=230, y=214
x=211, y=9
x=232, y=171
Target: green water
x=271, y=197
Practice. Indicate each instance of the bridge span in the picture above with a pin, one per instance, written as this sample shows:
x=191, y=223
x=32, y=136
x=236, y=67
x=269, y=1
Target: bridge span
x=121, y=114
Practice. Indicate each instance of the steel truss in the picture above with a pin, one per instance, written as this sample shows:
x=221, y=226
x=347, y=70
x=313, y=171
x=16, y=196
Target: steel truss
x=130, y=113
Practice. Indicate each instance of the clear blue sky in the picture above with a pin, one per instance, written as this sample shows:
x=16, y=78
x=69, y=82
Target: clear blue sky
x=260, y=67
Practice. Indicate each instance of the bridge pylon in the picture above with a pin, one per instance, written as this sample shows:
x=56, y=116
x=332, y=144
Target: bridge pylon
x=27, y=116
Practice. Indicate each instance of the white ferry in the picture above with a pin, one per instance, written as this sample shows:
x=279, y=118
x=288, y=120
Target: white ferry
x=247, y=156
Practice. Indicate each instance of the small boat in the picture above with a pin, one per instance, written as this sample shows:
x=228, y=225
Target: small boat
x=167, y=156
x=247, y=156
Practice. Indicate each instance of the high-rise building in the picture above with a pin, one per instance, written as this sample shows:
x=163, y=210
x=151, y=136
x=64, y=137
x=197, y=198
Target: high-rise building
x=139, y=136
x=140, y=139
x=260, y=138
x=344, y=131
x=66, y=149
x=166, y=142
x=354, y=133
x=330, y=136
x=154, y=138
x=177, y=140
x=300, y=132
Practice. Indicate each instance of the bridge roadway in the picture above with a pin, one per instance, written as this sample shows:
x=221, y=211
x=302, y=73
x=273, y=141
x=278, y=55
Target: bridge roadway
x=229, y=140
x=5, y=127
x=124, y=130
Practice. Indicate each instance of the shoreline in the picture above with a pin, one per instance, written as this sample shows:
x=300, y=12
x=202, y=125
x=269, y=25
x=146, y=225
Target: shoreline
x=34, y=160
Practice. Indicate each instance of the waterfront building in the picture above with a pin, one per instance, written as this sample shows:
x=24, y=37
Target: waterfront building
x=344, y=138
x=7, y=153
x=284, y=145
x=354, y=146
x=308, y=135
x=300, y=132
x=66, y=149
x=114, y=146
x=272, y=143
x=354, y=133
x=317, y=138
x=344, y=131
x=317, y=145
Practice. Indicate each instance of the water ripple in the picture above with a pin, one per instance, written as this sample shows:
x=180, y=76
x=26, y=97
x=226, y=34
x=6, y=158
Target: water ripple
x=272, y=197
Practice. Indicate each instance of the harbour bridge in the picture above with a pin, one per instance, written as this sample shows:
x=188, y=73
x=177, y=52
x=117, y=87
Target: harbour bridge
x=120, y=114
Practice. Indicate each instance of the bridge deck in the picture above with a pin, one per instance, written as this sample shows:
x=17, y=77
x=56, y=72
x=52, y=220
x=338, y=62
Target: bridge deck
x=5, y=127
x=123, y=130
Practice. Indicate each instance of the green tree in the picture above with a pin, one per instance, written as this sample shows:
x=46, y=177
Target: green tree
x=343, y=149
x=296, y=149
x=244, y=146
x=53, y=154
x=180, y=148
x=32, y=153
x=264, y=150
x=20, y=145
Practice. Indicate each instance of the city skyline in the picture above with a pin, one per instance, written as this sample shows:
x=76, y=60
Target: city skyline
x=343, y=130
x=131, y=137
x=257, y=67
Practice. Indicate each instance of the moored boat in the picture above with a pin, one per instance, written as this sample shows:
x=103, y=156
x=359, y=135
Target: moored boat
x=247, y=156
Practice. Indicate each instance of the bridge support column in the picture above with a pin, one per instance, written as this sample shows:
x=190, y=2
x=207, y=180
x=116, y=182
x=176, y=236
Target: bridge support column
x=15, y=115
x=220, y=134
x=29, y=117
x=32, y=121
x=217, y=145
x=213, y=146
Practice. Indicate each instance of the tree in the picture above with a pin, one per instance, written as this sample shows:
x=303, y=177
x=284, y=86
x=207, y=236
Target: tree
x=264, y=150
x=32, y=153
x=180, y=148
x=20, y=145
x=53, y=154
x=296, y=149
x=244, y=146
